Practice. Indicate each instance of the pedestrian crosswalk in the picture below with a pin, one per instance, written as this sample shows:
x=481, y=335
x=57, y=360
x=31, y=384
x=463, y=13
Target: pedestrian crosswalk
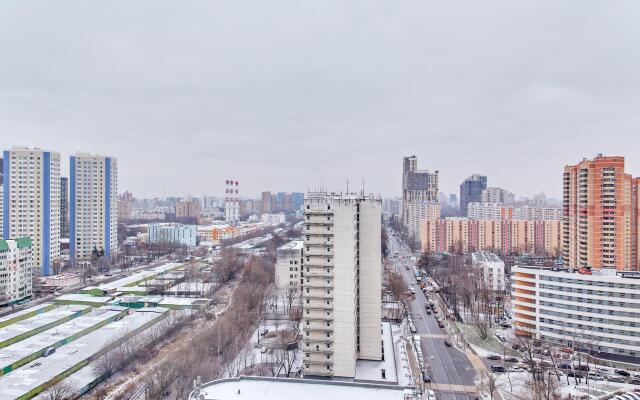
x=448, y=387
x=434, y=335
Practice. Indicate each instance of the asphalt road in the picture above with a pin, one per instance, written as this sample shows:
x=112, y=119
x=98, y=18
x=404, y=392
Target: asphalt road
x=447, y=365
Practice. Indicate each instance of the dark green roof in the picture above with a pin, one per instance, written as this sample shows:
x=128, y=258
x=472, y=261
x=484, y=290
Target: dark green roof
x=23, y=242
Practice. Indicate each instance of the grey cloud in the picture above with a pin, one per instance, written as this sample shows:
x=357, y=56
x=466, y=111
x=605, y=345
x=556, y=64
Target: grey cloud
x=284, y=95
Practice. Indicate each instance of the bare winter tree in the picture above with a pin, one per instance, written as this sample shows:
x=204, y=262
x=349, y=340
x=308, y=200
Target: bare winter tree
x=60, y=391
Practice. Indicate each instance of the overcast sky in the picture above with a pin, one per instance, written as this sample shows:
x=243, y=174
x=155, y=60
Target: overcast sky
x=286, y=95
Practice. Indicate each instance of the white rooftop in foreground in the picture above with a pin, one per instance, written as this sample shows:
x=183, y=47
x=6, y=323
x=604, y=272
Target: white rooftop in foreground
x=39, y=321
x=371, y=371
x=263, y=388
x=22, y=312
x=19, y=382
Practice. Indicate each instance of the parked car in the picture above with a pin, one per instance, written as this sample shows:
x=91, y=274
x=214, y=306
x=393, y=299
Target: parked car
x=49, y=351
x=494, y=357
x=426, y=378
x=441, y=324
x=431, y=395
x=622, y=372
x=565, y=366
x=511, y=359
x=497, y=368
x=447, y=343
x=429, y=311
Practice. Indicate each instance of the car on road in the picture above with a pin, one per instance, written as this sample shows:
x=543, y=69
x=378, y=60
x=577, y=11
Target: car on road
x=447, y=343
x=614, y=378
x=426, y=377
x=497, y=368
x=494, y=357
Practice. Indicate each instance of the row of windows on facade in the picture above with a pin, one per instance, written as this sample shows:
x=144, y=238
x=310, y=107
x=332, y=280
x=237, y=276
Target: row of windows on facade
x=590, y=291
x=618, y=285
x=589, y=345
x=565, y=316
x=590, y=301
x=582, y=336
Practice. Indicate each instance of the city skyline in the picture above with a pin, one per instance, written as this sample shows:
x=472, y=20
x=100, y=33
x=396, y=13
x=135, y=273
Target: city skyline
x=270, y=87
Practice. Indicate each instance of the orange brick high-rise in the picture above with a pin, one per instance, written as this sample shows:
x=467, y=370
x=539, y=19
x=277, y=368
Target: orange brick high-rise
x=600, y=204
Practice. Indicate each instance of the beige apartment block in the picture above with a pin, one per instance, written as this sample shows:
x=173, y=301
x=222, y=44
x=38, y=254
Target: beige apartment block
x=341, y=283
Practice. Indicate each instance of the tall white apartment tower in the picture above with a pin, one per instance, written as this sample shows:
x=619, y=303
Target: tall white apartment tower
x=93, y=206
x=31, y=202
x=342, y=276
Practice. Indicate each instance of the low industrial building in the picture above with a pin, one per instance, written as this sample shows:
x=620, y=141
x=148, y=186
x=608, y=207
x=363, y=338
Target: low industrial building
x=273, y=219
x=172, y=233
x=592, y=311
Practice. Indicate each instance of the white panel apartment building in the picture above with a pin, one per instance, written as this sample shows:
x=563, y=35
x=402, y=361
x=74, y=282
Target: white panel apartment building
x=31, y=202
x=418, y=212
x=342, y=280
x=289, y=266
x=496, y=195
x=93, y=206
x=598, y=313
x=492, y=268
x=496, y=212
x=15, y=270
